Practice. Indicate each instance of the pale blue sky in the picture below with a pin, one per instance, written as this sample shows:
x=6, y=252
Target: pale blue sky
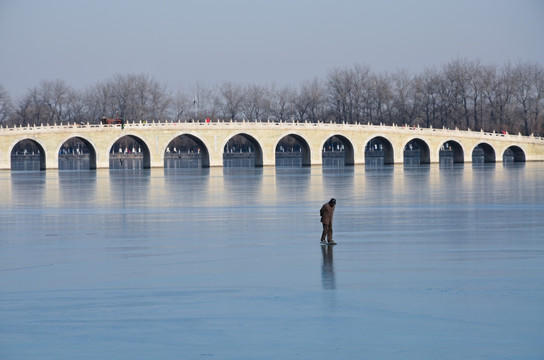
x=278, y=41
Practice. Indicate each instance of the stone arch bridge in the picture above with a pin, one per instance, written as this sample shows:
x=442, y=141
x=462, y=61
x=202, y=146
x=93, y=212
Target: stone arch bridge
x=212, y=137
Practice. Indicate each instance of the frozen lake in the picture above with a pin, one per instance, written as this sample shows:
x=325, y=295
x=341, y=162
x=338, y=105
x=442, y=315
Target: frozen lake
x=432, y=263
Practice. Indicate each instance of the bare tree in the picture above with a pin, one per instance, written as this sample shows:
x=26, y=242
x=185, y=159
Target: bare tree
x=339, y=86
x=121, y=89
x=47, y=103
x=55, y=97
x=75, y=110
x=158, y=101
x=133, y=97
x=537, y=101
x=255, y=105
x=282, y=105
x=30, y=109
x=98, y=102
x=379, y=100
x=455, y=93
x=231, y=98
x=404, y=102
x=6, y=106
x=182, y=106
x=529, y=93
x=426, y=87
x=349, y=93
x=24, y=111
x=461, y=93
x=310, y=102
x=205, y=104
x=498, y=92
x=463, y=88
x=523, y=92
x=476, y=86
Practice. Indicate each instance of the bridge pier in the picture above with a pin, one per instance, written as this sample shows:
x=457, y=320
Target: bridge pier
x=316, y=156
x=51, y=160
x=5, y=160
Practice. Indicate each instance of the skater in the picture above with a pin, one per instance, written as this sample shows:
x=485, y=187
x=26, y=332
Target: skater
x=326, y=213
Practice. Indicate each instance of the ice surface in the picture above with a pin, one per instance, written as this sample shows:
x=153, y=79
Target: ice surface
x=432, y=263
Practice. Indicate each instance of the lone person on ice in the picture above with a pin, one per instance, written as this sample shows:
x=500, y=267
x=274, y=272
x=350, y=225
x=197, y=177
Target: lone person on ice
x=326, y=212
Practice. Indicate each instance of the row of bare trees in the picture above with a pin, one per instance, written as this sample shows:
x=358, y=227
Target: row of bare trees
x=462, y=93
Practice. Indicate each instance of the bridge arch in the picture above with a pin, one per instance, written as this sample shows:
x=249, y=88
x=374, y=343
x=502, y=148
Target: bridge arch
x=483, y=151
x=422, y=146
x=304, y=146
x=349, y=153
x=453, y=149
x=379, y=146
x=90, y=146
x=204, y=148
x=253, y=141
x=33, y=142
x=145, y=148
x=513, y=153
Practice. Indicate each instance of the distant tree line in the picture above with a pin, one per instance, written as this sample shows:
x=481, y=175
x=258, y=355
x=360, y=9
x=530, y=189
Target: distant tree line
x=462, y=94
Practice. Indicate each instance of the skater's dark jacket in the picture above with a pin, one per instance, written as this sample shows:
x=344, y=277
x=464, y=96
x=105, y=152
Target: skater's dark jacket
x=326, y=213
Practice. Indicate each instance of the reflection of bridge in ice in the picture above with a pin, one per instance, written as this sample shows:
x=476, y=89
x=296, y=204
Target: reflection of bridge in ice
x=264, y=141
